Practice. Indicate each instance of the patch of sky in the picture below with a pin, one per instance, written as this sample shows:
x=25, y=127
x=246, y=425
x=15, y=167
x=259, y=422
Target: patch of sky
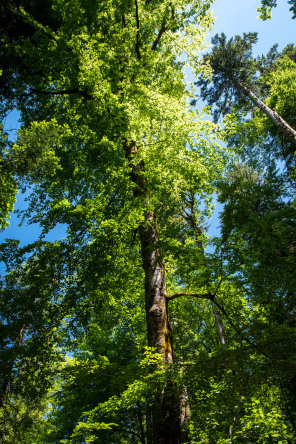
x=25, y=233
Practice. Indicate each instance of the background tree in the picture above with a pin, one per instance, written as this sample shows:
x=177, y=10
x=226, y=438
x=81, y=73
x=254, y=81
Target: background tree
x=234, y=73
x=267, y=5
x=258, y=197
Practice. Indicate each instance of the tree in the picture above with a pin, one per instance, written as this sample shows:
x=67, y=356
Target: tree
x=258, y=203
x=260, y=135
x=29, y=343
x=129, y=167
x=114, y=70
x=267, y=5
x=258, y=217
x=234, y=74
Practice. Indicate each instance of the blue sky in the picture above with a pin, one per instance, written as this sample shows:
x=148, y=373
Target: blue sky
x=233, y=17
x=238, y=16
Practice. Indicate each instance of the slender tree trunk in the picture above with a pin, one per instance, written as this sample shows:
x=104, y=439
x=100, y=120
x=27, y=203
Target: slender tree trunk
x=142, y=433
x=279, y=122
x=149, y=432
x=219, y=324
x=185, y=407
x=222, y=340
x=235, y=423
x=166, y=407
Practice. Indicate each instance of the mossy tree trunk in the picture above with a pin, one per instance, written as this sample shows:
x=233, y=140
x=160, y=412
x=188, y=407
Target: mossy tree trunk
x=165, y=406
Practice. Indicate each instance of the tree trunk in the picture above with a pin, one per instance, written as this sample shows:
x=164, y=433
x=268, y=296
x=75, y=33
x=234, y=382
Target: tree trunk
x=166, y=404
x=219, y=324
x=279, y=122
x=222, y=340
x=185, y=407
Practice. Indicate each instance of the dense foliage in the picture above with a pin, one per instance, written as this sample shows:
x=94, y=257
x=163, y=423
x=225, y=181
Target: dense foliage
x=134, y=326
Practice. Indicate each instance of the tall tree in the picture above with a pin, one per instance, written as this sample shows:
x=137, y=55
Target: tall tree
x=128, y=166
x=127, y=148
x=234, y=79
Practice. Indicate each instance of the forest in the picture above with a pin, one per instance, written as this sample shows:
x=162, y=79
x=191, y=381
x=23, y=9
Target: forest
x=137, y=324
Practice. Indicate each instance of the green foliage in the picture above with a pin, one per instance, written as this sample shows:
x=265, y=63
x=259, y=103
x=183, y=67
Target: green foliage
x=8, y=188
x=256, y=138
x=75, y=367
x=231, y=63
x=267, y=5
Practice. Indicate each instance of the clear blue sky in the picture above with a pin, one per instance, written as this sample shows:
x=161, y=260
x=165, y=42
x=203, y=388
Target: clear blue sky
x=238, y=16
x=233, y=17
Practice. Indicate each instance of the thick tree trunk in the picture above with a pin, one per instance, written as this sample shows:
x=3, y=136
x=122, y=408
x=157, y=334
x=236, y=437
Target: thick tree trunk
x=166, y=406
x=158, y=327
x=279, y=122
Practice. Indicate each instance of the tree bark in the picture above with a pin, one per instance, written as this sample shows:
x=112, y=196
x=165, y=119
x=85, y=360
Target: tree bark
x=166, y=405
x=278, y=121
x=219, y=324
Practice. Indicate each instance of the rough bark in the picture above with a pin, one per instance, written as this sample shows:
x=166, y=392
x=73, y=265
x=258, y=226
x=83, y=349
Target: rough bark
x=278, y=121
x=166, y=406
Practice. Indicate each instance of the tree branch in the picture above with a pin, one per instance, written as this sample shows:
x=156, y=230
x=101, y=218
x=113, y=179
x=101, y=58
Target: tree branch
x=84, y=94
x=163, y=28
x=159, y=35
x=244, y=338
x=138, y=32
x=209, y=296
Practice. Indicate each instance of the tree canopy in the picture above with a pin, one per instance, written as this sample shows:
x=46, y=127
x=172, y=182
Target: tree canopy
x=267, y=5
x=136, y=326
